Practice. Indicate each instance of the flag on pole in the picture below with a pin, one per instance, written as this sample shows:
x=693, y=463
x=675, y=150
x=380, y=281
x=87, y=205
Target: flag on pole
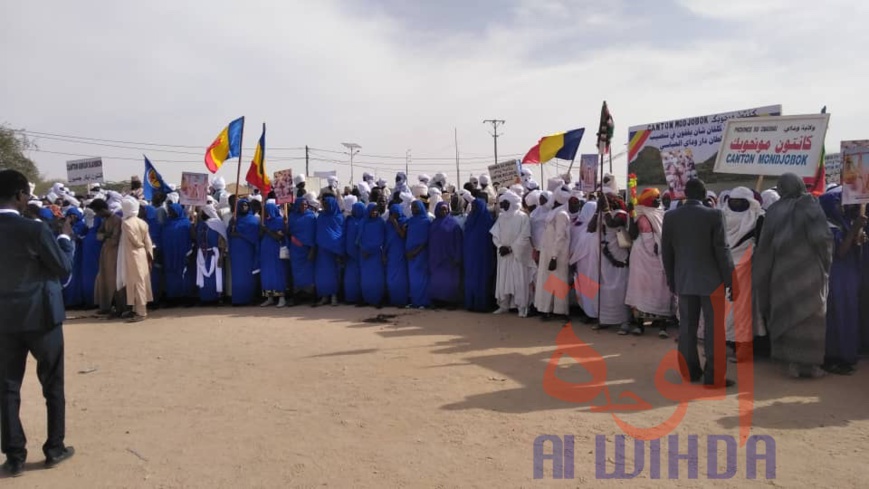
x=226, y=145
x=562, y=145
x=605, y=130
x=818, y=184
x=256, y=174
x=153, y=182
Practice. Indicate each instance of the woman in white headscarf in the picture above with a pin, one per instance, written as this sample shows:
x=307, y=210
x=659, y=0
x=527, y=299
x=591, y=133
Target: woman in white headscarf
x=135, y=255
x=742, y=214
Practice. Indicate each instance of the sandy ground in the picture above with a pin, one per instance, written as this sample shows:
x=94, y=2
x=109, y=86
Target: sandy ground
x=302, y=397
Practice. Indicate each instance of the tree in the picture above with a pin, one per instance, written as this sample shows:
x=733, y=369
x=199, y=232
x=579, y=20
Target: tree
x=12, y=148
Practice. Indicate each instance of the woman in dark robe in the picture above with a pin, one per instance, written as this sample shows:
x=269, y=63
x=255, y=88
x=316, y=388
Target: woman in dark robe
x=444, y=257
x=176, y=247
x=352, y=225
x=396, y=261
x=155, y=230
x=330, y=249
x=791, y=267
x=91, y=249
x=303, y=233
x=273, y=271
x=479, y=258
x=244, y=243
x=418, y=227
x=843, y=301
x=372, y=237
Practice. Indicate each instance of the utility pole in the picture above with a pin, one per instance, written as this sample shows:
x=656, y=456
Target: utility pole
x=407, y=164
x=458, y=171
x=495, y=123
x=354, y=150
x=307, y=162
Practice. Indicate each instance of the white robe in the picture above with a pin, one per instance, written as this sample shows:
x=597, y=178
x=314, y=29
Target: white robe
x=647, y=284
x=555, y=244
x=538, y=224
x=614, y=283
x=584, y=251
x=513, y=282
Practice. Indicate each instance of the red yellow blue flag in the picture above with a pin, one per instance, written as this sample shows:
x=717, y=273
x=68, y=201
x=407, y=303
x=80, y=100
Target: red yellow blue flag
x=226, y=145
x=256, y=174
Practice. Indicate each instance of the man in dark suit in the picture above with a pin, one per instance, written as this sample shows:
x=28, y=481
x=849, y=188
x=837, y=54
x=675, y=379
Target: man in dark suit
x=697, y=262
x=33, y=262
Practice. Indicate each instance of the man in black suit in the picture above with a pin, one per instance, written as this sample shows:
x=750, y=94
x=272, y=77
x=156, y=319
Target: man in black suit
x=33, y=262
x=697, y=262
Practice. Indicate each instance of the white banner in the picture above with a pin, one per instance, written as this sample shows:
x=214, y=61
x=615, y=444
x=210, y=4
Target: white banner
x=855, y=172
x=588, y=165
x=326, y=174
x=504, y=174
x=833, y=168
x=701, y=135
x=773, y=146
x=88, y=170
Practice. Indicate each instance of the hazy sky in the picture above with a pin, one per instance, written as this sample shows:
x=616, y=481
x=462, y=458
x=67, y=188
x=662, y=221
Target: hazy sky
x=393, y=75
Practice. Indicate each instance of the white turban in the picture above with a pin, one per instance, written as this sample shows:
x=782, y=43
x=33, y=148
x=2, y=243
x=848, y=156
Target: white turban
x=381, y=183
x=562, y=195
x=349, y=201
x=311, y=197
x=419, y=190
x=517, y=189
x=533, y=198
x=113, y=196
x=554, y=184
x=484, y=179
x=173, y=197
x=209, y=200
x=467, y=196
x=257, y=197
x=502, y=190
x=130, y=207
x=424, y=179
x=514, y=200
x=219, y=183
x=367, y=177
x=299, y=179
x=526, y=172
x=549, y=199
x=769, y=198
x=611, y=187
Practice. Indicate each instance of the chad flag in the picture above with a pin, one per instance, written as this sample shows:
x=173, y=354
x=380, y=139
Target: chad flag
x=256, y=174
x=562, y=145
x=226, y=145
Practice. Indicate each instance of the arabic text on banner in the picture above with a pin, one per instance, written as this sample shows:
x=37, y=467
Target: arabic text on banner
x=773, y=146
x=588, y=165
x=702, y=135
x=833, y=168
x=194, y=189
x=88, y=170
x=855, y=172
x=283, y=187
x=504, y=174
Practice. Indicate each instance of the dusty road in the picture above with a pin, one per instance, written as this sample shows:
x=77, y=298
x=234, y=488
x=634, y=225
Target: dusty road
x=302, y=397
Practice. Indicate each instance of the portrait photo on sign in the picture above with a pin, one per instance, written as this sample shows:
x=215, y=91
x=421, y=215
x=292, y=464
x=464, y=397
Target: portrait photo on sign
x=194, y=188
x=283, y=187
x=679, y=167
x=588, y=172
x=855, y=172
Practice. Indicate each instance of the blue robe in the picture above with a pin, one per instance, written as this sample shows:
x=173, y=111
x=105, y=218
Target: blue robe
x=372, y=237
x=445, y=258
x=273, y=269
x=303, y=232
x=244, y=256
x=330, y=247
x=180, y=278
x=90, y=267
x=843, y=299
x=417, y=267
x=206, y=240
x=352, y=278
x=73, y=291
x=479, y=259
x=396, y=261
x=155, y=230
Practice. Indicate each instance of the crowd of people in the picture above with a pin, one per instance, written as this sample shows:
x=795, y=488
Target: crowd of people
x=792, y=266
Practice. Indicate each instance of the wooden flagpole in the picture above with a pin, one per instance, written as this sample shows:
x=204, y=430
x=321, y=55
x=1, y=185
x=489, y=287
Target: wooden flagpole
x=238, y=176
